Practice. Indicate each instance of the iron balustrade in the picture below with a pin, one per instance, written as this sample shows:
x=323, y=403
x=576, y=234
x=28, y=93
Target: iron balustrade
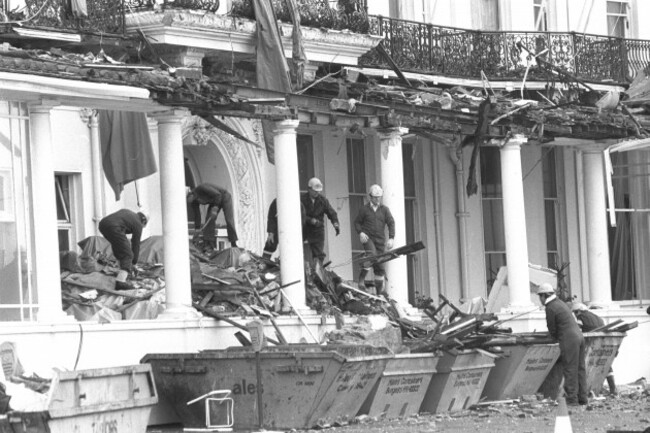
x=104, y=16
x=414, y=46
x=426, y=48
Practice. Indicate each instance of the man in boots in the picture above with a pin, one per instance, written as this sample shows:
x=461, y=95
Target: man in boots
x=563, y=327
x=371, y=223
x=316, y=208
x=588, y=322
x=115, y=228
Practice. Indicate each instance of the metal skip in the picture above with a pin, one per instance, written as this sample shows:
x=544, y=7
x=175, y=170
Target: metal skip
x=458, y=382
x=303, y=385
x=520, y=371
x=401, y=389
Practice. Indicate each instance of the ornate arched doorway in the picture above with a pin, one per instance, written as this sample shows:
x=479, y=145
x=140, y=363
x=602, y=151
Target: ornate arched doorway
x=208, y=150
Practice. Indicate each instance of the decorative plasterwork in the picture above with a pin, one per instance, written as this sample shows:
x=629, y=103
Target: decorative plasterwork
x=230, y=34
x=243, y=162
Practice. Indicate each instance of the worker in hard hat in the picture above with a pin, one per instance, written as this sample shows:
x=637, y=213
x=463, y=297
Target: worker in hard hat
x=217, y=198
x=316, y=207
x=563, y=327
x=115, y=228
x=371, y=223
x=588, y=322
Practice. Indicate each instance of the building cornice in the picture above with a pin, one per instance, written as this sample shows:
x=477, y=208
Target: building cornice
x=231, y=34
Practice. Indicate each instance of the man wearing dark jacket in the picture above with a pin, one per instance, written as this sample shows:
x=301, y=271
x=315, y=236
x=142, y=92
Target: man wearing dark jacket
x=316, y=207
x=563, y=327
x=217, y=198
x=588, y=322
x=371, y=223
x=116, y=226
x=272, y=236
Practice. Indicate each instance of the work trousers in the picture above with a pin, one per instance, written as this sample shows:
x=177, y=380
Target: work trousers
x=572, y=356
x=372, y=248
x=209, y=232
x=120, y=244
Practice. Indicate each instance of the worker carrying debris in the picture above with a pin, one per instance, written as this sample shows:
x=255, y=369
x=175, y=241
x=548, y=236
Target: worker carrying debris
x=272, y=236
x=588, y=322
x=217, y=198
x=116, y=226
x=563, y=327
x=371, y=223
x=316, y=207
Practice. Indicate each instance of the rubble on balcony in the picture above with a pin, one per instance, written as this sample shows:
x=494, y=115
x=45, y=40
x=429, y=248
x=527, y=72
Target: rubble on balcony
x=567, y=110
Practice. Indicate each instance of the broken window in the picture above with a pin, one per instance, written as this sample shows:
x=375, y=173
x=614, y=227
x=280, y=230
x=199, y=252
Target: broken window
x=551, y=206
x=617, y=18
x=17, y=293
x=409, y=151
x=62, y=185
x=356, y=190
x=629, y=240
x=540, y=10
x=305, y=149
x=492, y=203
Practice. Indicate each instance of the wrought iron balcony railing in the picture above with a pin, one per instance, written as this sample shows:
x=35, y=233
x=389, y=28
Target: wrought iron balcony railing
x=103, y=16
x=426, y=48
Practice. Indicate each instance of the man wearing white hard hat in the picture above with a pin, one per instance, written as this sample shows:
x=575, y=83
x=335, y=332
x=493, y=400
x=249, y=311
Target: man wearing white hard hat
x=371, y=223
x=588, y=322
x=116, y=226
x=316, y=207
x=563, y=327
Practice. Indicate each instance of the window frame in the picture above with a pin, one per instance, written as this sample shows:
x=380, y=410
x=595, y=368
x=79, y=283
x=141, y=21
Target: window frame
x=625, y=4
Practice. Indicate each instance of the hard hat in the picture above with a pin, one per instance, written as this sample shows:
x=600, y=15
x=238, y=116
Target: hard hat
x=144, y=214
x=545, y=288
x=315, y=184
x=578, y=306
x=376, y=191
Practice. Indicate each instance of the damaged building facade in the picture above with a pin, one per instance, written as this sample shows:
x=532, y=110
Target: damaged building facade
x=541, y=194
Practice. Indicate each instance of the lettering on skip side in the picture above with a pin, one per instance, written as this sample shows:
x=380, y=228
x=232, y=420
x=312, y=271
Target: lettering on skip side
x=245, y=388
x=538, y=364
x=347, y=382
x=469, y=378
x=403, y=385
x=107, y=426
x=600, y=355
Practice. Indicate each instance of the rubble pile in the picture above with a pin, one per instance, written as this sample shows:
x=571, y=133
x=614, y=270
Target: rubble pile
x=229, y=282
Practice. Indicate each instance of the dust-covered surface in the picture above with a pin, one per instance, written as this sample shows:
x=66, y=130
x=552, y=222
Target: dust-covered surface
x=628, y=412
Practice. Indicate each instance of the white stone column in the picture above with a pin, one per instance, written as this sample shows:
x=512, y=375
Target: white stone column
x=46, y=240
x=392, y=181
x=289, y=220
x=514, y=221
x=600, y=290
x=98, y=180
x=174, y=216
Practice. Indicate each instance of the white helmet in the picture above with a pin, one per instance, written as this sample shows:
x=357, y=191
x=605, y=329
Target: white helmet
x=545, y=288
x=144, y=215
x=376, y=191
x=315, y=184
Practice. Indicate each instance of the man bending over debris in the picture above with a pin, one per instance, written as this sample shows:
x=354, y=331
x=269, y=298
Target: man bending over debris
x=588, y=322
x=371, y=223
x=564, y=328
x=116, y=226
x=217, y=198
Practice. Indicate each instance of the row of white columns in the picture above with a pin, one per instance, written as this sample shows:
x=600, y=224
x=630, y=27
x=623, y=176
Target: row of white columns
x=515, y=226
x=176, y=242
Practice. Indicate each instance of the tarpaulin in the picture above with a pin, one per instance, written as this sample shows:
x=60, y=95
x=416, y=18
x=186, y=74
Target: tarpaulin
x=271, y=69
x=127, y=153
